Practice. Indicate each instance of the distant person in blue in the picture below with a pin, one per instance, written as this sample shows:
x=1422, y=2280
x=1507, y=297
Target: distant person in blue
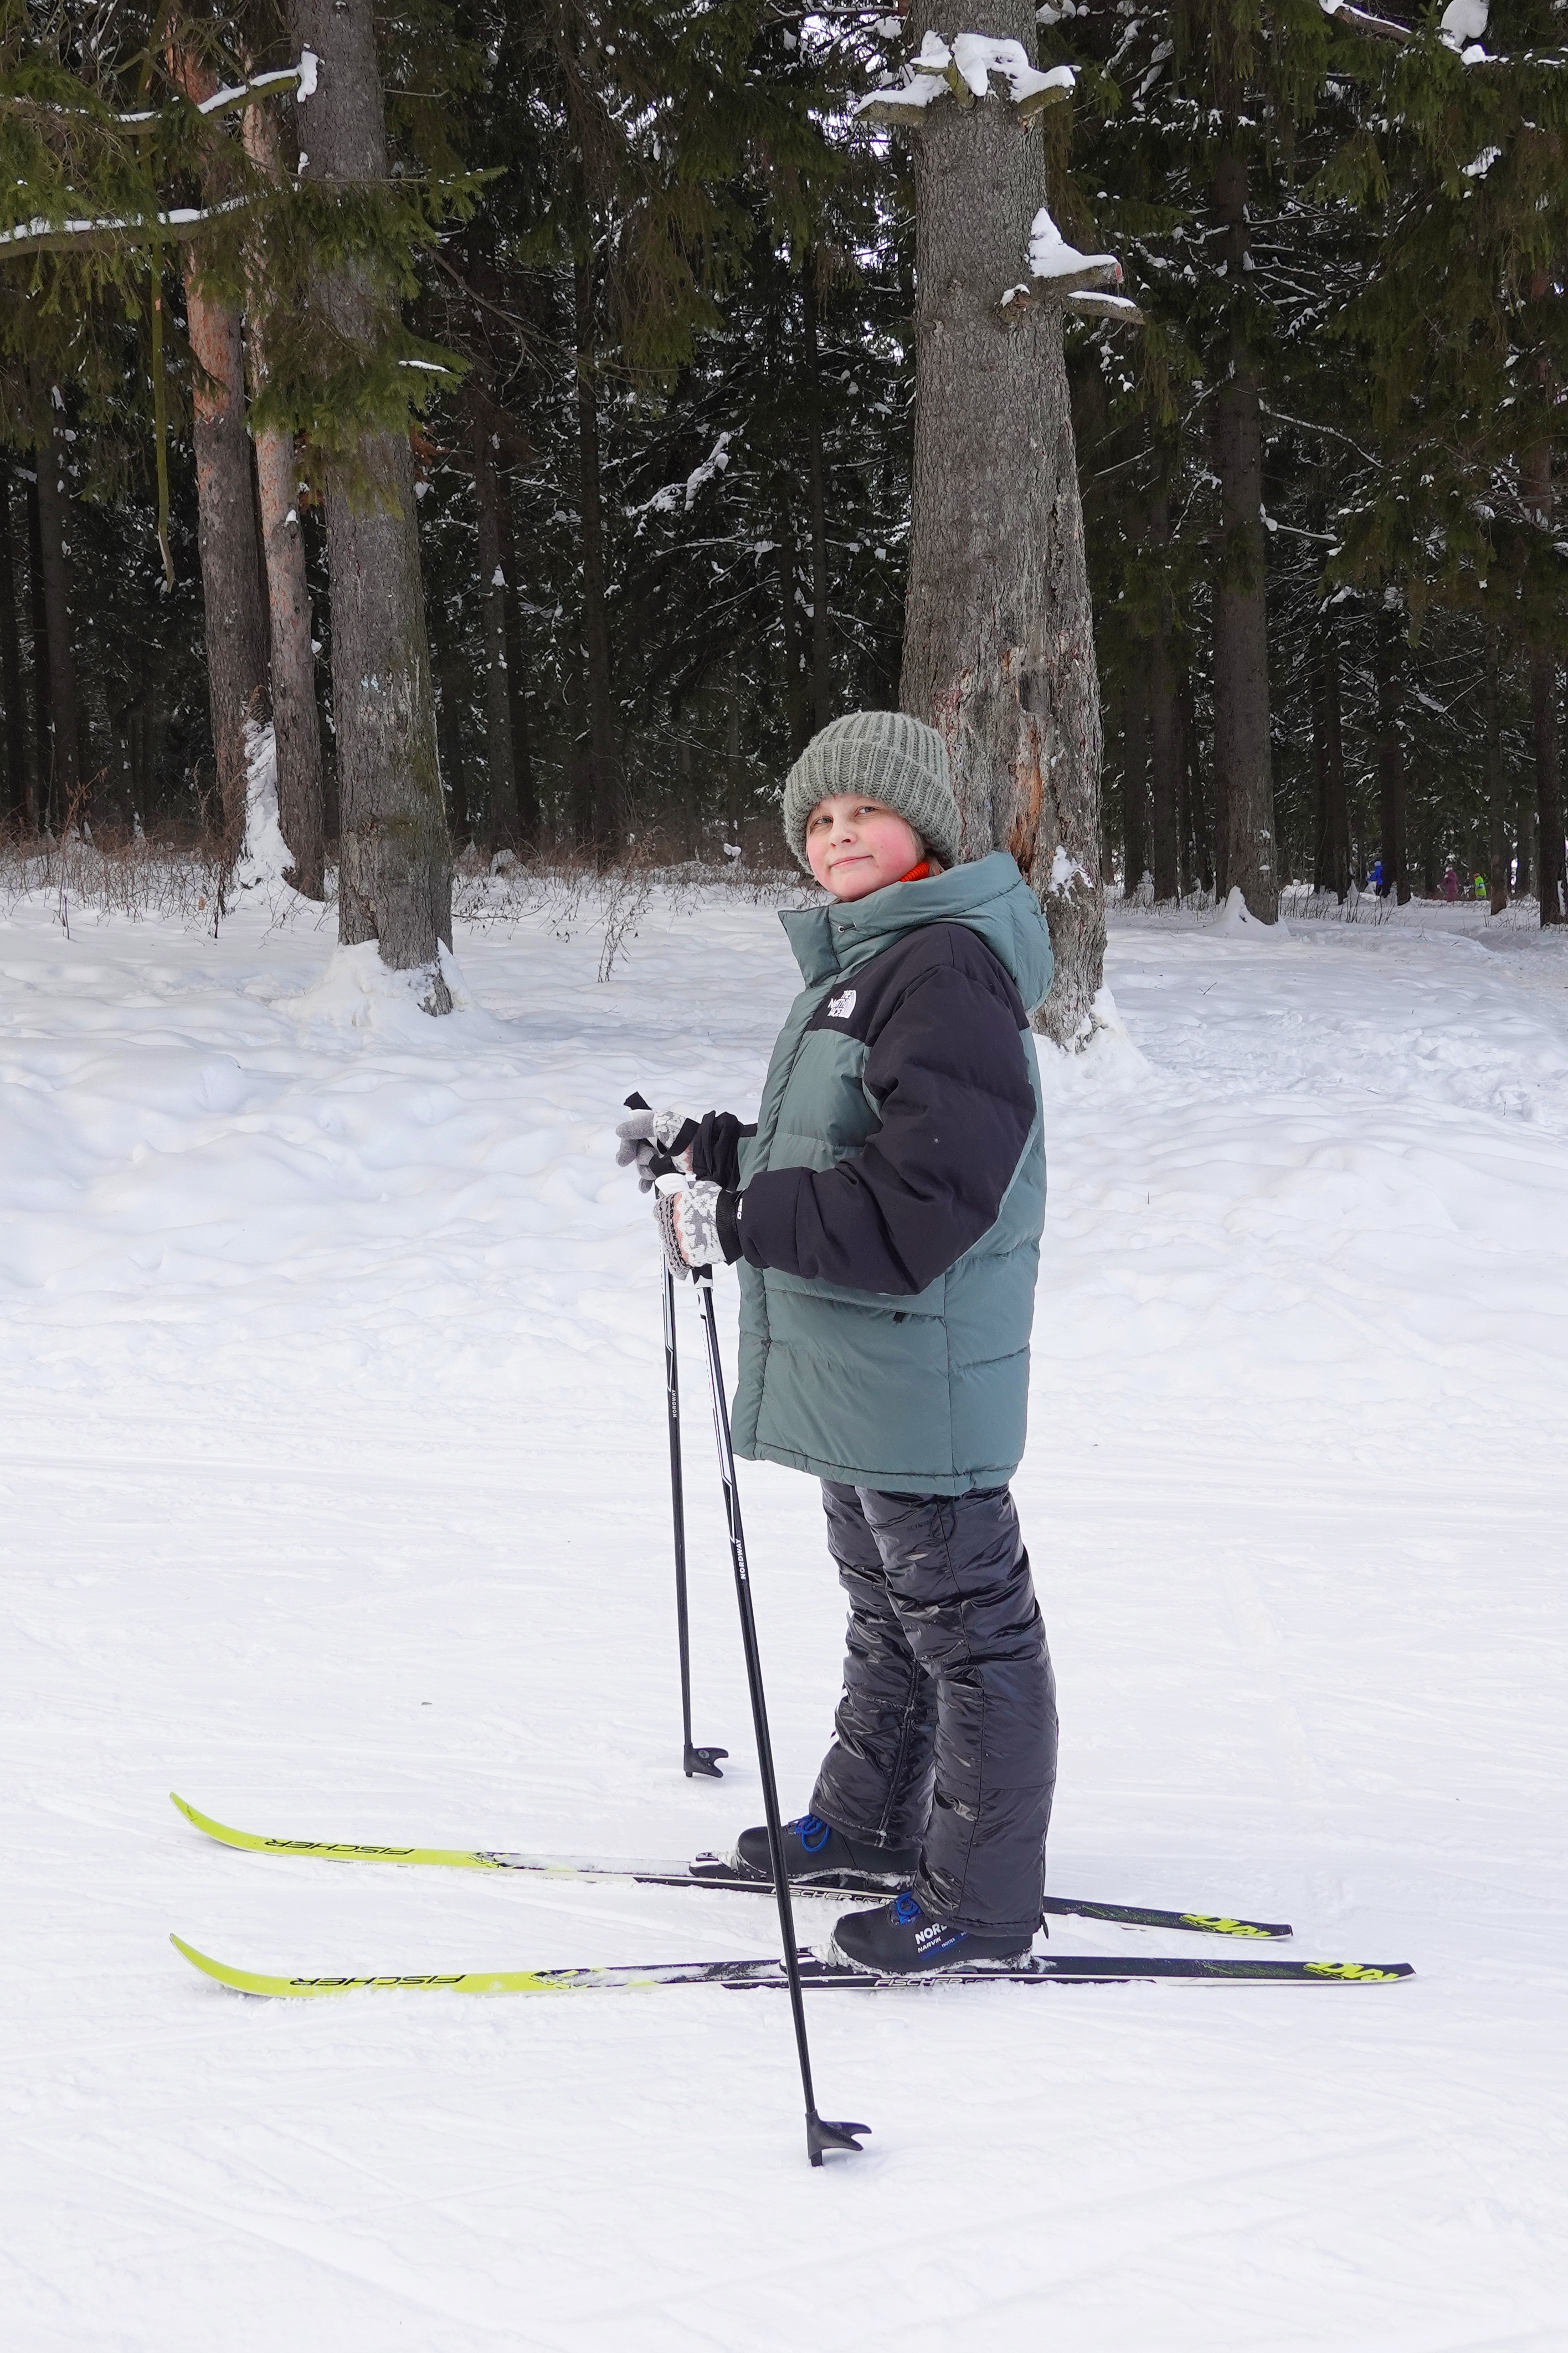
x=1374, y=881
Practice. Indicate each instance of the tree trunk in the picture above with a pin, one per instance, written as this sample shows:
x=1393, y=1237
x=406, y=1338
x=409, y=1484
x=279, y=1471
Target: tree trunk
x=1389, y=758
x=16, y=799
x=524, y=791
x=1240, y=605
x=998, y=640
x=1497, y=807
x=296, y=720
x=233, y=611
x=821, y=608
x=604, y=780
x=1331, y=867
x=1165, y=726
x=449, y=734
x=1134, y=778
x=502, y=809
x=395, y=857
x=796, y=691
x=1200, y=830
x=54, y=567
x=42, y=699
x=1536, y=486
x=1549, y=852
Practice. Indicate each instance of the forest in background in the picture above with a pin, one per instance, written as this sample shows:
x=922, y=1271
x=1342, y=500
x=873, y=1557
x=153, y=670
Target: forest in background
x=658, y=280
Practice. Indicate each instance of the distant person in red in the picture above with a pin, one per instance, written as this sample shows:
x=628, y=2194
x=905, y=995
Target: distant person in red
x=1450, y=886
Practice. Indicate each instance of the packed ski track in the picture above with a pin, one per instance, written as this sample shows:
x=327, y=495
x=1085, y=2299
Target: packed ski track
x=333, y=1494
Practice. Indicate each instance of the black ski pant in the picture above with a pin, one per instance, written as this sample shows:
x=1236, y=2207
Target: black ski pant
x=946, y=1733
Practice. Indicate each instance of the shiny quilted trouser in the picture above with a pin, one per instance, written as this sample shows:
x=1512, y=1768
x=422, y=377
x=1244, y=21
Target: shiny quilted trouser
x=946, y=1733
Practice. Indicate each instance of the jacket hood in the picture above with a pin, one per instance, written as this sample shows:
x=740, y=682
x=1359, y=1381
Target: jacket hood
x=989, y=896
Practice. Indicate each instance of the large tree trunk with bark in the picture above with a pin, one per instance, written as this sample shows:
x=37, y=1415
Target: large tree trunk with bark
x=1332, y=865
x=603, y=779
x=821, y=606
x=233, y=610
x=1245, y=784
x=54, y=575
x=998, y=637
x=17, y=800
x=1386, y=666
x=395, y=855
x=296, y=720
x=502, y=812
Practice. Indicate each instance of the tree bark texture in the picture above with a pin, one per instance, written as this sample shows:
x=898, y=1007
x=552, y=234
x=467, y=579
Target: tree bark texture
x=1536, y=485
x=1134, y=780
x=233, y=611
x=1164, y=728
x=54, y=573
x=296, y=720
x=395, y=855
x=524, y=790
x=604, y=785
x=1331, y=866
x=16, y=799
x=795, y=685
x=1498, y=860
x=1240, y=604
x=1200, y=832
x=1394, y=847
x=42, y=699
x=821, y=603
x=449, y=734
x=998, y=637
x=502, y=809
x=1548, y=854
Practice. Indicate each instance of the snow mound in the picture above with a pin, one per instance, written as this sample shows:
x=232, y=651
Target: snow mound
x=358, y=992
x=1236, y=917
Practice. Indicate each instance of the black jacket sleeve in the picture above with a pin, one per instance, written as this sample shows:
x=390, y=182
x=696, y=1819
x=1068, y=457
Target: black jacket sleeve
x=946, y=1065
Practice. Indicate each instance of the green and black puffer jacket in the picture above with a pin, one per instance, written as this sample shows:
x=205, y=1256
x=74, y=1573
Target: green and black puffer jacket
x=888, y=1207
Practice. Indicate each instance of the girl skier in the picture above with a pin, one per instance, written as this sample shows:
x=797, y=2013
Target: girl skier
x=885, y=1212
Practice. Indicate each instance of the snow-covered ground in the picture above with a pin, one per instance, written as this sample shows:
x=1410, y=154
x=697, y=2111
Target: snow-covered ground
x=332, y=1495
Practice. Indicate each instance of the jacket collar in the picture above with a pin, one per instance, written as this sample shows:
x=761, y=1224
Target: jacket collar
x=830, y=939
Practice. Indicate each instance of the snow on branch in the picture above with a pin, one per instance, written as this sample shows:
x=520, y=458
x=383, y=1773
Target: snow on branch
x=39, y=235
x=1385, y=27
x=964, y=71
x=683, y=495
x=1060, y=274
x=222, y=101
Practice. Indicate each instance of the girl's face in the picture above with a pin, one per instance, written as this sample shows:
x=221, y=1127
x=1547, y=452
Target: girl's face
x=856, y=846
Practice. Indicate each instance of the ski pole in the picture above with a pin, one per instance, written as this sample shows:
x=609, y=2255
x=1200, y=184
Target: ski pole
x=693, y=1761
x=819, y=2134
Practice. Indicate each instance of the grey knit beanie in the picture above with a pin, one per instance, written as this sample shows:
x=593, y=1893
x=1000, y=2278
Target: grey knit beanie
x=889, y=757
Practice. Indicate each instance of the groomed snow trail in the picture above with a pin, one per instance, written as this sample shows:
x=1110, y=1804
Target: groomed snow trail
x=332, y=1494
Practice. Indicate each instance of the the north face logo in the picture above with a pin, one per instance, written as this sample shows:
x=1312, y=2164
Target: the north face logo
x=840, y=1008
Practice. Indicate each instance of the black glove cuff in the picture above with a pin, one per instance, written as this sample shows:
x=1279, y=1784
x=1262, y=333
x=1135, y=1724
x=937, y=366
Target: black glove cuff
x=727, y=1216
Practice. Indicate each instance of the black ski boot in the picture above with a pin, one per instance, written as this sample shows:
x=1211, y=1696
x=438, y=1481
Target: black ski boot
x=813, y=1848
x=898, y=1939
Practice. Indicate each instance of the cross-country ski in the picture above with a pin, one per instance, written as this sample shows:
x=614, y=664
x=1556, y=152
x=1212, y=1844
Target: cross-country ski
x=816, y=1975
x=704, y=1871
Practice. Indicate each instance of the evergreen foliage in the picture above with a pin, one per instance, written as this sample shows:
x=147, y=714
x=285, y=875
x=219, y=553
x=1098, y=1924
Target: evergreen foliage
x=655, y=297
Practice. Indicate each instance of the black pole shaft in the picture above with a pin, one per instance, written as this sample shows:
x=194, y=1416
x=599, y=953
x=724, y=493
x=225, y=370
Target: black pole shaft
x=818, y=2135
x=677, y=1509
